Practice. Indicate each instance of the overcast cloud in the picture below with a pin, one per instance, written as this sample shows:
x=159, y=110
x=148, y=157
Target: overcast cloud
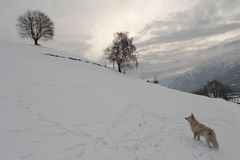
x=166, y=32
x=176, y=44
x=86, y=27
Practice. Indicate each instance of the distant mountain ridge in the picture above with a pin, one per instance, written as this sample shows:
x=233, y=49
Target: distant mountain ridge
x=224, y=68
x=170, y=66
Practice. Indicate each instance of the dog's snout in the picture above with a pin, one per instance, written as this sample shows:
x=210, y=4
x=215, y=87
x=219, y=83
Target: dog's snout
x=186, y=118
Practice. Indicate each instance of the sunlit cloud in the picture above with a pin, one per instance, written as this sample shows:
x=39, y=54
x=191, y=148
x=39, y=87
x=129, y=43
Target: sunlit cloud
x=170, y=46
x=86, y=27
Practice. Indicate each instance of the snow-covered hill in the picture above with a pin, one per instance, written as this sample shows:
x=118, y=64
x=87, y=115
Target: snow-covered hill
x=55, y=108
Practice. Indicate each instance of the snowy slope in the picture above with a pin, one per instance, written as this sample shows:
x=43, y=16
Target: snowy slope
x=58, y=109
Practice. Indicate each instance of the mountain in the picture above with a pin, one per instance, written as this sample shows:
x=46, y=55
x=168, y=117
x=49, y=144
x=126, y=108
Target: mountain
x=174, y=67
x=224, y=68
x=57, y=107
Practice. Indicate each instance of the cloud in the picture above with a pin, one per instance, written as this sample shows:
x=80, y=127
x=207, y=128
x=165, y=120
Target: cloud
x=86, y=27
x=95, y=19
x=187, y=34
x=181, y=41
x=205, y=25
x=207, y=18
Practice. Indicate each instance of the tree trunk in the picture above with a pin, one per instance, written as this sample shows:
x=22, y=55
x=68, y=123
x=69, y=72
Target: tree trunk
x=119, y=68
x=36, y=41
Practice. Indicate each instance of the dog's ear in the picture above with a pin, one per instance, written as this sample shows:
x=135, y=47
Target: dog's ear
x=192, y=115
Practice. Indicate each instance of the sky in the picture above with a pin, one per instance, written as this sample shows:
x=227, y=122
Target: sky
x=166, y=32
x=86, y=27
x=185, y=39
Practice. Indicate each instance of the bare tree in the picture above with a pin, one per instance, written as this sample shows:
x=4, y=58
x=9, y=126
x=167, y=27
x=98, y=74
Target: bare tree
x=122, y=51
x=35, y=25
x=214, y=89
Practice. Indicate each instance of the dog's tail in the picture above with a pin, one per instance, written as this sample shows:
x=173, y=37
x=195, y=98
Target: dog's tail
x=214, y=141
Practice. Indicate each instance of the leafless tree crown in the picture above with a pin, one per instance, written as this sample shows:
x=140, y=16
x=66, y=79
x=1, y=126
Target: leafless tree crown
x=35, y=25
x=122, y=51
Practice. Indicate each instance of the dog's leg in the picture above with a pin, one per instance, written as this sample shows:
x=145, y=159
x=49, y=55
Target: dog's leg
x=208, y=142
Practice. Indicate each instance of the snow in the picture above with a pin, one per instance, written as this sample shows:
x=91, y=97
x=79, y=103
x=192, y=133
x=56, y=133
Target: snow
x=56, y=109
